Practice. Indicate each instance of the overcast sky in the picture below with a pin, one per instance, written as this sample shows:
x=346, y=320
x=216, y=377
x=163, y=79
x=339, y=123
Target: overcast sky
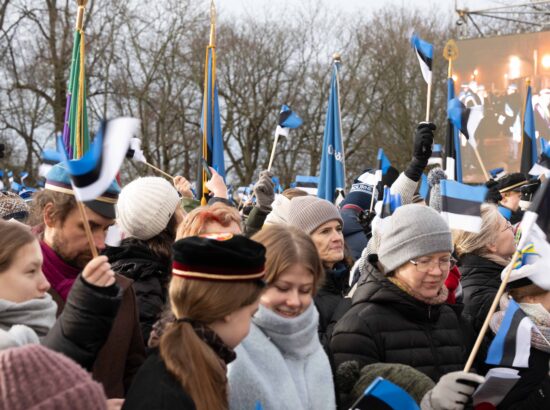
x=284, y=7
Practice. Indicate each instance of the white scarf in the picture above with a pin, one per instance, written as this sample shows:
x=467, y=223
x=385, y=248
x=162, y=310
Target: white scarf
x=282, y=365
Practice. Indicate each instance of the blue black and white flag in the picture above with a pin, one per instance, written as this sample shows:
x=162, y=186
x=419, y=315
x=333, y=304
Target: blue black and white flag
x=307, y=183
x=94, y=172
x=497, y=173
x=461, y=205
x=529, y=138
x=288, y=120
x=49, y=158
x=134, y=151
x=465, y=119
x=383, y=394
x=425, y=53
x=1, y=180
x=537, y=217
x=542, y=166
x=332, y=179
x=511, y=346
x=424, y=190
x=453, y=161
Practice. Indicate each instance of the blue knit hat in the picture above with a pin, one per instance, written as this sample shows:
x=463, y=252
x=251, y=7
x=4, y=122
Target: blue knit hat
x=58, y=180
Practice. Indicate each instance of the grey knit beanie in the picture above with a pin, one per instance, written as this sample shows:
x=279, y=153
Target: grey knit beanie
x=412, y=231
x=309, y=212
x=145, y=207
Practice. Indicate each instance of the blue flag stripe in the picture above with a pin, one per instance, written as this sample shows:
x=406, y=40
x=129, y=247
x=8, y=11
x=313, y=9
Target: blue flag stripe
x=391, y=394
x=496, y=349
x=453, y=189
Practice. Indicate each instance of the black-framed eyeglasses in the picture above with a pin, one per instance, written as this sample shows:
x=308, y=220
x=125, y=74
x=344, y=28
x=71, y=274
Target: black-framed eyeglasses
x=445, y=265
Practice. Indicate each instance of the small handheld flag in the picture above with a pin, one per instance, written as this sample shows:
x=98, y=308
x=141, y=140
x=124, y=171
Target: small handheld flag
x=425, y=53
x=92, y=174
x=529, y=139
x=511, y=346
x=542, y=166
x=383, y=162
x=383, y=393
x=389, y=203
x=461, y=205
x=288, y=120
x=50, y=157
x=437, y=155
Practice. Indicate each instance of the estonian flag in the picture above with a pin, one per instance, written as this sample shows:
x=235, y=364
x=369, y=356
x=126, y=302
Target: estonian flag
x=307, y=184
x=465, y=119
x=461, y=205
x=383, y=162
x=50, y=157
x=288, y=120
x=453, y=163
x=425, y=54
x=437, y=155
x=389, y=203
x=424, y=190
x=383, y=394
x=539, y=212
x=93, y=173
x=529, y=141
x=135, y=151
x=511, y=346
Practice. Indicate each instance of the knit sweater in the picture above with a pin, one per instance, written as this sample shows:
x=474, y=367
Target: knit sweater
x=282, y=365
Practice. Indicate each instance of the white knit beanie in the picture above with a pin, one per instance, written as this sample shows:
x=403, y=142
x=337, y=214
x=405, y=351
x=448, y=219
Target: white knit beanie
x=145, y=207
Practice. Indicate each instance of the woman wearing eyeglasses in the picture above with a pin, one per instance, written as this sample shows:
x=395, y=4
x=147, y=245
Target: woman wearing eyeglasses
x=398, y=312
x=481, y=258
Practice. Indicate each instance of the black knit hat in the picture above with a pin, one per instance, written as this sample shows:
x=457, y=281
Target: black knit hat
x=219, y=257
x=512, y=182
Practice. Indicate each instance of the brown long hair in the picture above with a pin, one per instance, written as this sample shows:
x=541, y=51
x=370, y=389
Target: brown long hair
x=12, y=237
x=194, y=364
x=196, y=220
x=286, y=246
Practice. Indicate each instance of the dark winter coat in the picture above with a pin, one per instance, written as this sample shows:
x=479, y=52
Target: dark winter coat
x=255, y=221
x=155, y=388
x=329, y=297
x=83, y=327
x=123, y=352
x=150, y=274
x=532, y=391
x=354, y=234
x=385, y=324
x=480, y=282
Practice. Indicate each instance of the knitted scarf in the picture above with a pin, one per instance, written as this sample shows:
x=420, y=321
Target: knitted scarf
x=440, y=298
x=59, y=273
x=537, y=313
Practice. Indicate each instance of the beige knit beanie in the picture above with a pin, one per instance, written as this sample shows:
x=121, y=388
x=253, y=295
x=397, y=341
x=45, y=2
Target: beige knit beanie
x=309, y=212
x=145, y=207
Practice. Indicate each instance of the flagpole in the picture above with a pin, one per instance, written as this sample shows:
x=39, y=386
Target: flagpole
x=492, y=310
x=429, y=97
x=481, y=164
x=273, y=151
x=166, y=174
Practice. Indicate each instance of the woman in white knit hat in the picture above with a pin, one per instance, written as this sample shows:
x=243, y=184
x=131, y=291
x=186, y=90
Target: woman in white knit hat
x=398, y=313
x=321, y=220
x=148, y=213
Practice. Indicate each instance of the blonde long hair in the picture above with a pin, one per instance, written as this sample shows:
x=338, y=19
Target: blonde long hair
x=286, y=246
x=194, y=364
x=195, y=221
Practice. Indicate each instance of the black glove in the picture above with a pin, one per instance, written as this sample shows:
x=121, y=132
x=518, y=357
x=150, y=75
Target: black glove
x=493, y=194
x=422, y=150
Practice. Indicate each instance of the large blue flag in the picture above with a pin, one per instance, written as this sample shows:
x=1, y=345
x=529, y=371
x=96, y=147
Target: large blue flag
x=529, y=142
x=384, y=394
x=453, y=163
x=212, y=138
x=333, y=173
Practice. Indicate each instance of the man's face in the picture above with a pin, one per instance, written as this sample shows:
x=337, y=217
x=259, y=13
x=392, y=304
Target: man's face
x=68, y=238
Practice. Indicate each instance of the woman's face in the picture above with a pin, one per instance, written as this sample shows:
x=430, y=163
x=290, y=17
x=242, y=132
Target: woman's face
x=24, y=279
x=329, y=241
x=504, y=244
x=291, y=293
x=235, y=326
x=426, y=275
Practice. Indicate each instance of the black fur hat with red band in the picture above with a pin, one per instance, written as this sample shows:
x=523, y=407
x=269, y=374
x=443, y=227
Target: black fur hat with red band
x=219, y=257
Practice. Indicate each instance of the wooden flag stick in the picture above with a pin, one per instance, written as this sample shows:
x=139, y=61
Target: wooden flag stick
x=372, y=198
x=166, y=174
x=87, y=229
x=428, y=101
x=273, y=151
x=492, y=310
x=481, y=164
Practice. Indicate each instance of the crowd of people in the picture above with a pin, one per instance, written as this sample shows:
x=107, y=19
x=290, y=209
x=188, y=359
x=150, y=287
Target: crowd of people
x=295, y=303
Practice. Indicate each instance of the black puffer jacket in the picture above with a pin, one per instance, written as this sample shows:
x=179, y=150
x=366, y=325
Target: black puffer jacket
x=480, y=281
x=150, y=274
x=385, y=324
x=329, y=297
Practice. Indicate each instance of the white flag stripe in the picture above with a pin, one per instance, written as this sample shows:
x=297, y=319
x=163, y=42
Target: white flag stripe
x=426, y=72
x=466, y=223
x=523, y=343
x=450, y=168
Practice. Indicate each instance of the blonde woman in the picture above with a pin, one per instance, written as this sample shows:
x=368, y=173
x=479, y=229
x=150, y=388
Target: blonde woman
x=281, y=363
x=481, y=258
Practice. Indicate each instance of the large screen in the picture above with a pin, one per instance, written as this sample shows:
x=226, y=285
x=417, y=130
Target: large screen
x=493, y=73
